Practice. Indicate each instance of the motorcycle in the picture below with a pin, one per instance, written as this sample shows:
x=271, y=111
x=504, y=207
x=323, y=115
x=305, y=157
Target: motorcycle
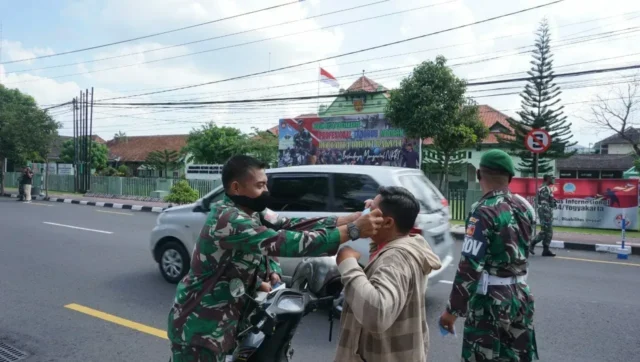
x=276, y=316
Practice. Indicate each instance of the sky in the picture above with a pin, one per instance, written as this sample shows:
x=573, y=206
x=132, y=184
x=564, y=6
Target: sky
x=587, y=34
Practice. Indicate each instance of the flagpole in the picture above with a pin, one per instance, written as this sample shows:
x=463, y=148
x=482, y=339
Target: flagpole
x=318, y=99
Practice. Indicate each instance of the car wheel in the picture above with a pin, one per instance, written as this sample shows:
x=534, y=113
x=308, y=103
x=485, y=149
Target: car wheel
x=174, y=261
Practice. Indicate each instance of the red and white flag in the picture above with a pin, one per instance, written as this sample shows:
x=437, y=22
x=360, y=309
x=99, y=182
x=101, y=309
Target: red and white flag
x=327, y=78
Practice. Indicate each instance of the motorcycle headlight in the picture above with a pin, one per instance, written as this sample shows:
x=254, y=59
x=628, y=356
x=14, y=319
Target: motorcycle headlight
x=291, y=304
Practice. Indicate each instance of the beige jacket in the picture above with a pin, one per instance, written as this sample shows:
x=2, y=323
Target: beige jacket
x=384, y=317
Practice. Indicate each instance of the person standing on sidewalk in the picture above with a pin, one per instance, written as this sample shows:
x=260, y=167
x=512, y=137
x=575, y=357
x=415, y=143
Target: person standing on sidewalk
x=490, y=287
x=546, y=205
x=26, y=181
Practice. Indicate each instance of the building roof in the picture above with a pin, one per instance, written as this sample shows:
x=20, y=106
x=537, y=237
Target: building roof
x=616, y=138
x=364, y=84
x=491, y=118
x=596, y=162
x=137, y=148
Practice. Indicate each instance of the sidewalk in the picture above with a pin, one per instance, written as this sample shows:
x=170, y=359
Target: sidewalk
x=576, y=241
x=79, y=199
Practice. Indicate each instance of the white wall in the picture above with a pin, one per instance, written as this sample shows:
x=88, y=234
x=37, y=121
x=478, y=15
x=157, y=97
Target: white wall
x=620, y=149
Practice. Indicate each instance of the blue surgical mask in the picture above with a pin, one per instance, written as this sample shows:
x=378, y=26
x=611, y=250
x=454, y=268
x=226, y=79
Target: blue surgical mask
x=366, y=211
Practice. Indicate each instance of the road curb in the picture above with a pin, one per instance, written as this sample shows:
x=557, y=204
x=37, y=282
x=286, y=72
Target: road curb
x=557, y=244
x=112, y=205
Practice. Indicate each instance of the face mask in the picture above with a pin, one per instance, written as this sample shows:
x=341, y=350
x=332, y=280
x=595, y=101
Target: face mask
x=257, y=204
x=366, y=211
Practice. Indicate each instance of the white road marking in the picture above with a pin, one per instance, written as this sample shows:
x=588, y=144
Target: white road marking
x=77, y=227
x=115, y=212
x=446, y=281
x=39, y=204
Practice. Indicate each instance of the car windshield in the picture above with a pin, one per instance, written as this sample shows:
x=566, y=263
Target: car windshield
x=428, y=196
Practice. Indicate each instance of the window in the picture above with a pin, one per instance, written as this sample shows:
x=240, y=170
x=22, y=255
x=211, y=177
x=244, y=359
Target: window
x=351, y=191
x=299, y=192
x=427, y=195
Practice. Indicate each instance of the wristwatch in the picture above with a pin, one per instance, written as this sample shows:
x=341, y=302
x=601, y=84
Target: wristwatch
x=354, y=232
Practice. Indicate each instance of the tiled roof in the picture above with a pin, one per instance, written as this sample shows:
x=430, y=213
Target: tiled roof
x=364, y=84
x=137, y=148
x=617, y=139
x=596, y=162
x=489, y=116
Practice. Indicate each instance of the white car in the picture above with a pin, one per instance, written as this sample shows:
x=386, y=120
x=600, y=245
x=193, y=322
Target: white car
x=309, y=191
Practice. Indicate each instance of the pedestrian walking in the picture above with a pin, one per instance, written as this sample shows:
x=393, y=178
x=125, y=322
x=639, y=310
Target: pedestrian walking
x=546, y=205
x=490, y=288
x=26, y=182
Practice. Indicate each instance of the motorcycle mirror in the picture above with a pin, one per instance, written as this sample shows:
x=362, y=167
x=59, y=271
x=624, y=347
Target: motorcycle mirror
x=236, y=287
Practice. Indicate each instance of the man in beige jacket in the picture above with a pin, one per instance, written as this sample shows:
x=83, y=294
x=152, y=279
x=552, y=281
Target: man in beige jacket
x=383, y=316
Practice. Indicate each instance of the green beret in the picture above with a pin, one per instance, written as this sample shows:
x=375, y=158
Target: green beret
x=498, y=160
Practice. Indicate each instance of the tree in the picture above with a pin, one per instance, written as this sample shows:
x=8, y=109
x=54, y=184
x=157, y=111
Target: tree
x=619, y=112
x=120, y=136
x=99, y=153
x=26, y=131
x=540, y=109
x=215, y=145
x=431, y=103
x=263, y=145
x=163, y=160
x=428, y=101
x=466, y=132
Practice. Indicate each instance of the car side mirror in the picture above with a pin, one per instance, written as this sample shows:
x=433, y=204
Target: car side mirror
x=200, y=208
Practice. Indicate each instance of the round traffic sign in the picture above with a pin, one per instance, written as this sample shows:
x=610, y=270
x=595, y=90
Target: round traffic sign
x=537, y=140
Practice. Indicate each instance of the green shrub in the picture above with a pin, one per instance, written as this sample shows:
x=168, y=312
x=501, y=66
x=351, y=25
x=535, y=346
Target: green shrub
x=182, y=193
x=123, y=170
x=109, y=171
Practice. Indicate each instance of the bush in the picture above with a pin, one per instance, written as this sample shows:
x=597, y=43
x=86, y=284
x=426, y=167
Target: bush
x=182, y=193
x=109, y=171
x=123, y=170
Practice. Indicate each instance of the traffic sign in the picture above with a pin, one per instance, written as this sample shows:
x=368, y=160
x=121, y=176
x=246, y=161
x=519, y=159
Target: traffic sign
x=537, y=140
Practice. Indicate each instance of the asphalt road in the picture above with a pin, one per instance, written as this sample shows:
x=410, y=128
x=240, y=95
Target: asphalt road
x=587, y=307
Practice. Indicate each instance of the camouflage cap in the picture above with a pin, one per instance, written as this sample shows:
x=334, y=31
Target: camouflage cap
x=498, y=160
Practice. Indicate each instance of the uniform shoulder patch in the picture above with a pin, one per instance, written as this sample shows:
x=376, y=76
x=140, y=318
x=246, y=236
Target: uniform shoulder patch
x=475, y=240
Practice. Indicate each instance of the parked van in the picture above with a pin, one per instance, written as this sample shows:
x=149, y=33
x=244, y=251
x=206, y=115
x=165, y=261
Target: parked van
x=310, y=191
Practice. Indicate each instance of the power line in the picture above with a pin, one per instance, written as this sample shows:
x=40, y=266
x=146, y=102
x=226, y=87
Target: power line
x=349, y=53
x=152, y=35
x=232, y=45
x=424, y=50
x=219, y=37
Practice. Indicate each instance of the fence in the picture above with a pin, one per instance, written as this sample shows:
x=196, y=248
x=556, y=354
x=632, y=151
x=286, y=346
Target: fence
x=112, y=185
x=460, y=202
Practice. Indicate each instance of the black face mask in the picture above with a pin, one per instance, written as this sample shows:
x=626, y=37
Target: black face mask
x=257, y=204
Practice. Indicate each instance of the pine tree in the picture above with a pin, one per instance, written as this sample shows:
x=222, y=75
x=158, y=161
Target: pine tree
x=540, y=109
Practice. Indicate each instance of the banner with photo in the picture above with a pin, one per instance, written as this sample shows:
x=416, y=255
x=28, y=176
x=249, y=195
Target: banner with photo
x=363, y=139
x=589, y=203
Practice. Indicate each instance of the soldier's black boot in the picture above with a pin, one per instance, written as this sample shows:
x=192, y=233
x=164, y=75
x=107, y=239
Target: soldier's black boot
x=531, y=247
x=547, y=252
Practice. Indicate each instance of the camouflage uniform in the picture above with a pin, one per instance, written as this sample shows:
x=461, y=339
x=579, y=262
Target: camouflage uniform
x=238, y=240
x=546, y=204
x=499, y=325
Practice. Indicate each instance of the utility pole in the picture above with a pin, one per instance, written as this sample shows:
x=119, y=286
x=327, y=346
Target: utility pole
x=90, y=142
x=75, y=144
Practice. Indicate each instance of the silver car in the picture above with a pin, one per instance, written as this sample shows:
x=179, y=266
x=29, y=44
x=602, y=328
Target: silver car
x=310, y=191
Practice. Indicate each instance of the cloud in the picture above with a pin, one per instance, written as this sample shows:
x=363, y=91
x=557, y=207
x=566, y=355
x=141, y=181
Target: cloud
x=15, y=51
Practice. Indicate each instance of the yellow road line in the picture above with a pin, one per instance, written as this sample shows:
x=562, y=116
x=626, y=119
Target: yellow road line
x=115, y=212
x=597, y=261
x=117, y=320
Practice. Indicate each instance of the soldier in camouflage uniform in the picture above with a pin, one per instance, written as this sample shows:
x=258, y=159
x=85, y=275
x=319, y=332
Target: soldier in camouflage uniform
x=239, y=232
x=490, y=287
x=546, y=205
